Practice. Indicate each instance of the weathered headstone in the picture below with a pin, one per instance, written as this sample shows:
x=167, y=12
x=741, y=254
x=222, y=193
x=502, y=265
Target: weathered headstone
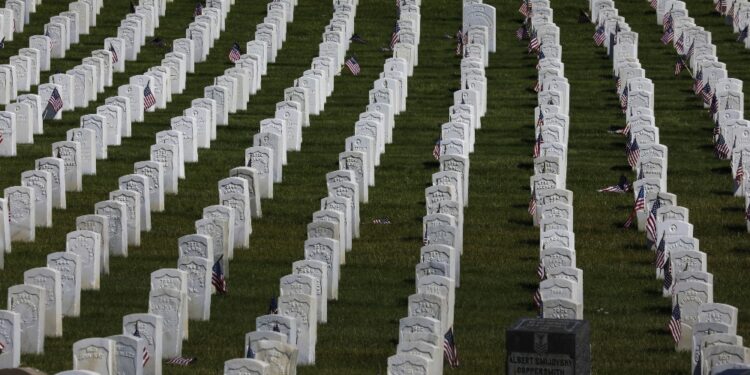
x=548, y=345
x=69, y=266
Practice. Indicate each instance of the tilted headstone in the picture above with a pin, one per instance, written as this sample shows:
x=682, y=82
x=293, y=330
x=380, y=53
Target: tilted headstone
x=95, y=354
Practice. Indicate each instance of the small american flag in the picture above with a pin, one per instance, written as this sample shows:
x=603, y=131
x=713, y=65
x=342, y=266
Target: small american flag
x=651, y=221
x=661, y=253
x=525, y=8
x=668, y=35
x=250, y=353
x=276, y=327
x=667, y=20
x=146, y=357
x=148, y=97
x=353, y=66
x=356, y=38
x=449, y=347
x=698, y=81
x=721, y=149
x=235, y=52
x=436, y=149
x=633, y=152
x=54, y=104
x=624, y=131
x=534, y=43
x=654, y=3
x=394, y=36
x=714, y=107
x=182, y=361
x=730, y=12
x=640, y=204
x=622, y=186
x=537, y=299
x=532, y=203
x=2, y=43
x=217, y=277
x=537, y=151
x=198, y=10
x=1, y=138
x=706, y=93
x=674, y=323
x=539, y=59
x=461, y=41
x=599, y=36
x=273, y=306
x=743, y=35
x=739, y=176
x=538, y=86
x=115, y=58
x=624, y=99
x=668, y=280
x=679, y=45
x=679, y=65
x=720, y=7
x=381, y=220
x=540, y=272
x=540, y=120
x=522, y=33
x=690, y=51
x=2, y=347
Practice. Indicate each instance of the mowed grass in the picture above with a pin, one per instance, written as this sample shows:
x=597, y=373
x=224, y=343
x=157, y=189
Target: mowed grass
x=623, y=303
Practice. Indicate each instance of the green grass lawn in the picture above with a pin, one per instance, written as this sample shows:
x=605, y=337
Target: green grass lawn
x=623, y=302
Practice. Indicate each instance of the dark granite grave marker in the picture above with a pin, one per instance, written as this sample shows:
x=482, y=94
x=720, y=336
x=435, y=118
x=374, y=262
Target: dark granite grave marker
x=548, y=347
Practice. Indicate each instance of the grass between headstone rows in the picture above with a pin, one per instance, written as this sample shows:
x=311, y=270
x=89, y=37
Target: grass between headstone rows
x=627, y=313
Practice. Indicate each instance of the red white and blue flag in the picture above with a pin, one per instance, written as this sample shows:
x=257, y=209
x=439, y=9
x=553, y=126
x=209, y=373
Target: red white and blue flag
x=148, y=97
x=235, y=52
x=449, y=348
x=217, y=277
x=353, y=66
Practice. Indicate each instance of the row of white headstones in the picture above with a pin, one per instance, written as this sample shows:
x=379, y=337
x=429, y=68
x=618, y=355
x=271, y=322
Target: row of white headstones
x=86, y=243
x=23, y=118
x=560, y=292
x=426, y=333
x=371, y=92
x=698, y=324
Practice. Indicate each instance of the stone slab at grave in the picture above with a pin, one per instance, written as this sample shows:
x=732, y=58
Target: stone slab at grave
x=548, y=345
x=167, y=303
x=210, y=105
x=70, y=153
x=129, y=353
x=135, y=94
x=98, y=124
x=69, y=266
x=198, y=271
x=21, y=213
x=304, y=309
x=98, y=224
x=261, y=159
x=49, y=279
x=225, y=216
x=9, y=132
x=41, y=182
x=187, y=47
x=217, y=231
x=117, y=213
x=139, y=184
x=151, y=328
x=5, y=244
x=251, y=176
x=167, y=155
x=113, y=122
x=240, y=366
x=35, y=116
x=29, y=301
x=95, y=354
x=123, y=103
x=87, y=245
x=87, y=140
x=175, y=280
x=233, y=192
x=10, y=337
x=132, y=201
x=154, y=171
x=43, y=44
x=281, y=357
